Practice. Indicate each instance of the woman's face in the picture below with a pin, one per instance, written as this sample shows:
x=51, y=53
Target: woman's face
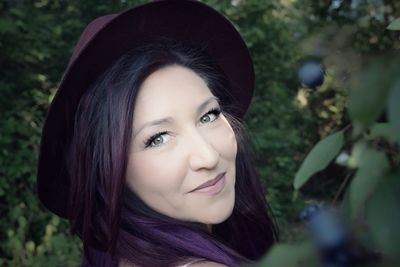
x=170, y=158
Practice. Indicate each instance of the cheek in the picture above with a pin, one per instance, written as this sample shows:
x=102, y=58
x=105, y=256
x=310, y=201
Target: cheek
x=145, y=173
x=226, y=141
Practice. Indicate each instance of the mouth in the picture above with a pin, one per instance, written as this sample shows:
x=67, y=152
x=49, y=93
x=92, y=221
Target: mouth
x=212, y=186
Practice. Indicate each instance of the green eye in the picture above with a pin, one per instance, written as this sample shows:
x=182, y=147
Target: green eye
x=156, y=140
x=214, y=112
x=152, y=139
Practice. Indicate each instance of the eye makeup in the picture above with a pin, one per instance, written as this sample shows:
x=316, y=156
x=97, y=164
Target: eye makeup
x=148, y=142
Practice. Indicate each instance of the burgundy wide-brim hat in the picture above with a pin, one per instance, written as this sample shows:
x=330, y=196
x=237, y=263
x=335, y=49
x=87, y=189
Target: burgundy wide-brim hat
x=107, y=38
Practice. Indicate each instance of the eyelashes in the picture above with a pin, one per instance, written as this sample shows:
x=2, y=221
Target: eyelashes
x=148, y=142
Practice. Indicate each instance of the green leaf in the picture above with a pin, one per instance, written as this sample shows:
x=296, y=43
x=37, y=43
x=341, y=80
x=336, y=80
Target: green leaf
x=319, y=158
x=393, y=110
x=345, y=205
x=301, y=254
x=394, y=25
x=368, y=99
x=382, y=130
x=372, y=166
x=383, y=216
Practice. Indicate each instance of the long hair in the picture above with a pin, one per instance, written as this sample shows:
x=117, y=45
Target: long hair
x=112, y=221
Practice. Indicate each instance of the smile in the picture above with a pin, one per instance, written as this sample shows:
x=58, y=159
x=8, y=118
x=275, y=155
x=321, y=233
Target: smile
x=213, y=189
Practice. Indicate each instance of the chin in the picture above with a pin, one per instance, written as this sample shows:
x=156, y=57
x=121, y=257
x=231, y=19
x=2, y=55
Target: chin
x=222, y=213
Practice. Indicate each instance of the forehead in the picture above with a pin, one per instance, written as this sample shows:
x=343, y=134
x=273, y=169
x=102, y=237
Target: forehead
x=169, y=89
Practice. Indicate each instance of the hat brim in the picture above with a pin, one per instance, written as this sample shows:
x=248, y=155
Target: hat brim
x=191, y=21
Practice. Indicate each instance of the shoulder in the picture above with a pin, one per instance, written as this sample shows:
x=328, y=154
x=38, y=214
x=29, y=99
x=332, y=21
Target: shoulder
x=207, y=264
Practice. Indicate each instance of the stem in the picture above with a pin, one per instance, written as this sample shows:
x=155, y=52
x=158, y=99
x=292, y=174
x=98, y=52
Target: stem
x=341, y=188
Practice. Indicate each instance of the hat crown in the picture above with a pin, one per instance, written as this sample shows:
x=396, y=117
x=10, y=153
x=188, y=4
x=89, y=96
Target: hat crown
x=88, y=33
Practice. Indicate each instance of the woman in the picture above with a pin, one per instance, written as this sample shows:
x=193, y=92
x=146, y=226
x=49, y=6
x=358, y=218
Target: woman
x=143, y=149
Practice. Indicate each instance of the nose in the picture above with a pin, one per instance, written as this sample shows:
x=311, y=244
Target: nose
x=201, y=152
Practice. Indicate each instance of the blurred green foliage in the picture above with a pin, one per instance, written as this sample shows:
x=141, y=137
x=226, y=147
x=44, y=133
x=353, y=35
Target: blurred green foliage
x=367, y=146
x=284, y=121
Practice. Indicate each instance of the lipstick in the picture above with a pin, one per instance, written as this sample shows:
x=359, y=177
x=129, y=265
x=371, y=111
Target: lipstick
x=213, y=186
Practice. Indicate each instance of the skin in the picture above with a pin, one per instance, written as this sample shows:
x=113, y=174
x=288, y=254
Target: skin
x=197, y=147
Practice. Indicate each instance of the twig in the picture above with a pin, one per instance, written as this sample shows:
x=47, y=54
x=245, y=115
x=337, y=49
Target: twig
x=341, y=188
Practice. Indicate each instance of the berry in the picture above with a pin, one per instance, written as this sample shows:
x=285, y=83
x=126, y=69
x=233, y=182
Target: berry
x=307, y=213
x=329, y=235
x=311, y=74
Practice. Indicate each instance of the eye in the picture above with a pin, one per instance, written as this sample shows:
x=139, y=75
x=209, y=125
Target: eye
x=157, y=139
x=212, y=114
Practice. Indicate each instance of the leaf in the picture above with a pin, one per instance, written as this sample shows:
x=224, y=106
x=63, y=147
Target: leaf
x=301, y=254
x=372, y=166
x=319, y=158
x=382, y=130
x=368, y=99
x=393, y=110
x=394, y=25
x=345, y=205
x=383, y=216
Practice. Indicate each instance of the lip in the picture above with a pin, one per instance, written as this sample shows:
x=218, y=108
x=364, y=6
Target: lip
x=214, y=185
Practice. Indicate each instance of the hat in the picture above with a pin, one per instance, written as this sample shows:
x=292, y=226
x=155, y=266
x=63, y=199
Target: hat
x=107, y=38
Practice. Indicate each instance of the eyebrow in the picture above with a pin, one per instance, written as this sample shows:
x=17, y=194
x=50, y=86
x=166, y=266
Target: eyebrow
x=168, y=120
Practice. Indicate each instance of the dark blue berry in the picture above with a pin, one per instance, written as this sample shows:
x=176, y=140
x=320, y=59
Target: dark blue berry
x=308, y=212
x=311, y=74
x=329, y=235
